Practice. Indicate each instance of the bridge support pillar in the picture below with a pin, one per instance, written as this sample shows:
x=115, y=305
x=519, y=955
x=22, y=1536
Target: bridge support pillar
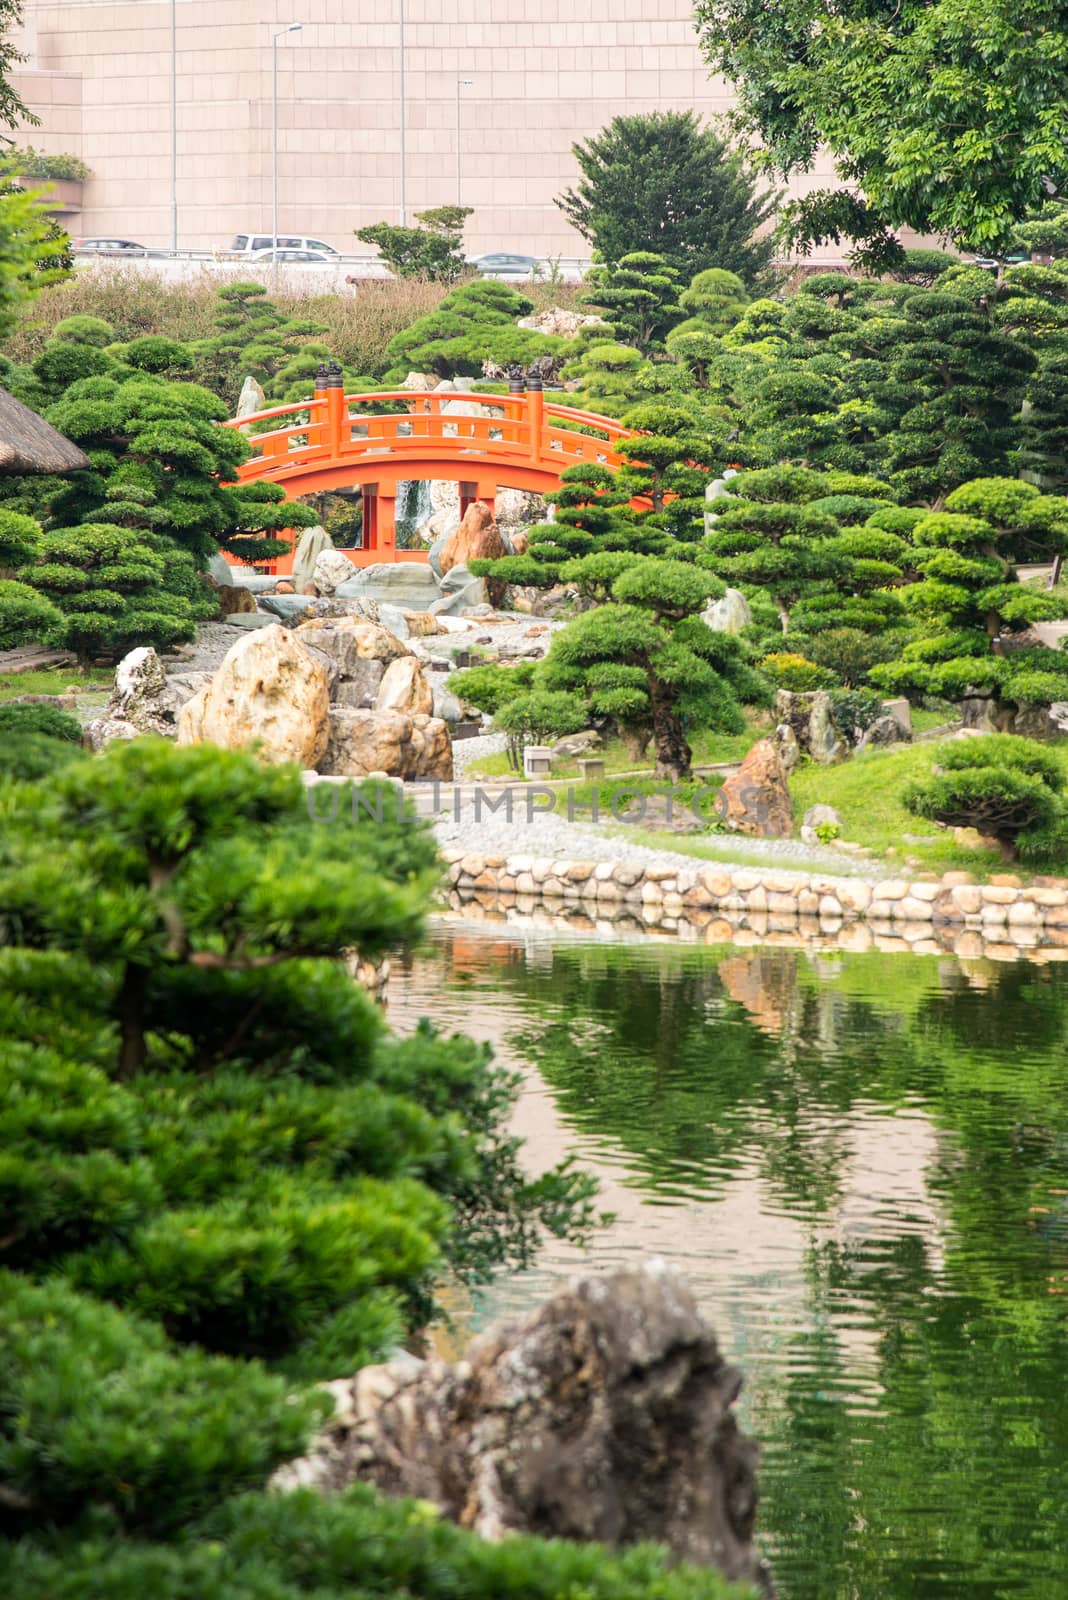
x=481, y=489
x=380, y=520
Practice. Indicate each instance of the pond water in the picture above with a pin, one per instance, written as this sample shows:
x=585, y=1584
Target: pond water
x=861, y=1163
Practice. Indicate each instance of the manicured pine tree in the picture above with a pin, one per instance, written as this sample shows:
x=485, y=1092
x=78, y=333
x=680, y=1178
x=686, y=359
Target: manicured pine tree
x=968, y=602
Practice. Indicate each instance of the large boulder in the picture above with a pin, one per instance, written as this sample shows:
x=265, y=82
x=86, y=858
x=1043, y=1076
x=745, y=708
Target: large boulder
x=883, y=731
x=351, y=639
x=756, y=798
x=477, y=538
x=402, y=746
x=358, y=688
x=605, y=1415
x=560, y=323
x=809, y=717
x=141, y=701
x=268, y=690
x=331, y=570
x=404, y=687
x=728, y=615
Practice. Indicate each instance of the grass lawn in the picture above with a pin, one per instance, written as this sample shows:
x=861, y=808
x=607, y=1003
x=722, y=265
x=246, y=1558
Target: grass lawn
x=57, y=680
x=865, y=791
x=708, y=750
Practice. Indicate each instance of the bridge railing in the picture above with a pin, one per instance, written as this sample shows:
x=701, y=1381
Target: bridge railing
x=524, y=429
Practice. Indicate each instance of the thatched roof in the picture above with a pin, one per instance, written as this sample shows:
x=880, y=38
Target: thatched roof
x=29, y=444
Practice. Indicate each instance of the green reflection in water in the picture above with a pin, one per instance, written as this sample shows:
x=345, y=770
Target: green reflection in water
x=910, y=1389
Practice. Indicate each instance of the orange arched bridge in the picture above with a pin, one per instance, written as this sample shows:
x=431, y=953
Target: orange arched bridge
x=482, y=442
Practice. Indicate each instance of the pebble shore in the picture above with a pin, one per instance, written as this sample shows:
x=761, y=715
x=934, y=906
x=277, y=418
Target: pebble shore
x=928, y=915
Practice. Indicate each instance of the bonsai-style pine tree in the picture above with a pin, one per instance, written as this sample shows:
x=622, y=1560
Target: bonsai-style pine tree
x=968, y=603
x=714, y=302
x=1008, y=788
x=638, y=297
x=475, y=323
x=646, y=662
x=432, y=251
x=108, y=586
x=254, y=339
x=224, y=1183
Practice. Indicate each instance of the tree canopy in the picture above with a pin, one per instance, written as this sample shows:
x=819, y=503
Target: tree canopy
x=661, y=182
x=946, y=116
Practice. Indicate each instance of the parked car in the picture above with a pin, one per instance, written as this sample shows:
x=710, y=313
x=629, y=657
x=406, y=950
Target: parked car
x=109, y=247
x=500, y=264
x=293, y=255
x=252, y=244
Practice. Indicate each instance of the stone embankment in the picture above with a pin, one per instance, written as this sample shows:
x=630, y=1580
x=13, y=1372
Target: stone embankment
x=714, y=902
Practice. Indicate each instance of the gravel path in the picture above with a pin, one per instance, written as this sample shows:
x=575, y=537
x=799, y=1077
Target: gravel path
x=488, y=832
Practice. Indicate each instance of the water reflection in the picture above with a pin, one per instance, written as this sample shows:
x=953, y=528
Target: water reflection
x=862, y=1164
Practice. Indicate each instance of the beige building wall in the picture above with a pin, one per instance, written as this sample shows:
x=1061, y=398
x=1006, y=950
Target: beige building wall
x=545, y=73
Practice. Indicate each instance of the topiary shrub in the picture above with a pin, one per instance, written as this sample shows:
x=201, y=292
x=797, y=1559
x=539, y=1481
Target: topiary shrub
x=850, y=653
x=20, y=540
x=538, y=716
x=21, y=718
x=1004, y=786
x=490, y=687
x=26, y=616
x=853, y=711
x=787, y=669
x=108, y=584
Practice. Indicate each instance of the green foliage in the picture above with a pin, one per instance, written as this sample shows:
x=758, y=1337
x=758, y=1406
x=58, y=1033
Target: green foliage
x=20, y=539
x=26, y=616
x=296, y=1546
x=919, y=145
x=638, y=296
x=18, y=718
x=854, y=710
x=433, y=251
x=221, y=1180
x=32, y=251
x=31, y=163
x=108, y=585
x=788, y=670
x=253, y=338
x=474, y=323
x=490, y=687
x=967, y=596
x=1007, y=787
x=661, y=182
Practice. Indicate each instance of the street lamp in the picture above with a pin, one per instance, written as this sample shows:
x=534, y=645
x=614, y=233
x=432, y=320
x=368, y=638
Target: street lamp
x=403, y=132
x=174, y=126
x=294, y=27
x=461, y=83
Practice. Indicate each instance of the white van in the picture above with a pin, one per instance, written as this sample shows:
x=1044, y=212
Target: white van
x=249, y=244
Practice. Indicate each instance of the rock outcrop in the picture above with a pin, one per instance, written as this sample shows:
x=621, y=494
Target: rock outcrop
x=141, y=701
x=351, y=639
x=404, y=687
x=392, y=742
x=268, y=691
x=477, y=538
x=606, y=1415
x=331, y=570
x=730, y=614
x=756, y=798
x=809, y=718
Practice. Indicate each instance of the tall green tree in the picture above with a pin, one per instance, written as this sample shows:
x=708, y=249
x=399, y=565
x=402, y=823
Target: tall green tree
x=224, y=1183
x=946, y=116
x=662, y=182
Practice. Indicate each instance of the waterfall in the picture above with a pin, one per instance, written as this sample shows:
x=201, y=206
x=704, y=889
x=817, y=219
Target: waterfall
x=413, y=509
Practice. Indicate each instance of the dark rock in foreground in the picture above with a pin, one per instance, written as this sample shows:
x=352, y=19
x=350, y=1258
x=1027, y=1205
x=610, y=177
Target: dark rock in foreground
x=605, y=1415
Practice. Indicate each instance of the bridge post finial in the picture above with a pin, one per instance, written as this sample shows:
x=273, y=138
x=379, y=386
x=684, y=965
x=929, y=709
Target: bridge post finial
x=536, y=413
x=516, y=378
